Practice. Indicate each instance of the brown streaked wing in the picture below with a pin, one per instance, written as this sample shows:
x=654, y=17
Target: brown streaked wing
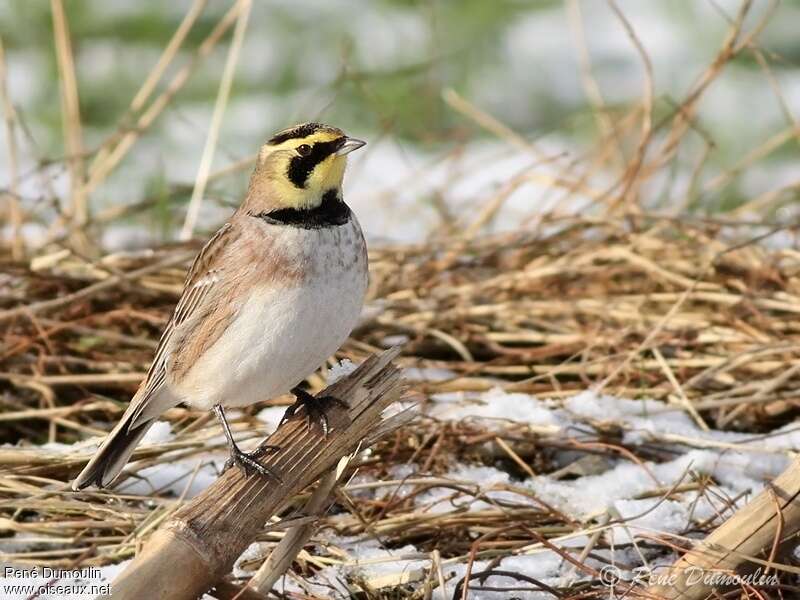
x=200, y=280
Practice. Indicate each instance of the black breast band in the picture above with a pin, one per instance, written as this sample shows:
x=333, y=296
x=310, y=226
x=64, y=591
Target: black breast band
x=331, y=212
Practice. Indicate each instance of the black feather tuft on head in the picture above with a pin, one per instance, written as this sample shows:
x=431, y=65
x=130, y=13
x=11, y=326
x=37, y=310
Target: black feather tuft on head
x=299, y=131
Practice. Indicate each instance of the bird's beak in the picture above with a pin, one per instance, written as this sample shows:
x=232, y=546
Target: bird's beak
x=349, y=145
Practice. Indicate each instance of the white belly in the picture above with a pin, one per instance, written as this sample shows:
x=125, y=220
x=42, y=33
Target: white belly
x=279, y=337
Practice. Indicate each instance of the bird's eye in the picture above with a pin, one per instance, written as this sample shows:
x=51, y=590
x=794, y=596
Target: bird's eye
x=304, y=150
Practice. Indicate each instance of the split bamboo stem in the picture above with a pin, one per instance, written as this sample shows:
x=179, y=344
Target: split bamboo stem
x=200, y=543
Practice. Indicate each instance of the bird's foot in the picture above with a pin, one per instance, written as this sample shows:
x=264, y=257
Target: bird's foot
x=247, y=462
x=314, y=408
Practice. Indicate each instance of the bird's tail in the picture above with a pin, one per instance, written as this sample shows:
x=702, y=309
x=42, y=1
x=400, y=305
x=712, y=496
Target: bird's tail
x=113, y=453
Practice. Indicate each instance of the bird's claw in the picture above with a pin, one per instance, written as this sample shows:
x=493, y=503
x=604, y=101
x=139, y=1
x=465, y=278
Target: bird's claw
x=248, y=463
x=314, y=408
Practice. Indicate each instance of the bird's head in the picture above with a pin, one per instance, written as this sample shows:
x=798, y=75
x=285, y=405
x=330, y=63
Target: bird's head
x=299, y=165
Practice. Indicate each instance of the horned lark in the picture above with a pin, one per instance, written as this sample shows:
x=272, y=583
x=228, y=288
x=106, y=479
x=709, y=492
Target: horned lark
x=272, y=295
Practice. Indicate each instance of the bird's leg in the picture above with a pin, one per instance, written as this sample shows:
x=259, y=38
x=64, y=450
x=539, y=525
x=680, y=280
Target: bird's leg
x=314, y=407
x=243, y=460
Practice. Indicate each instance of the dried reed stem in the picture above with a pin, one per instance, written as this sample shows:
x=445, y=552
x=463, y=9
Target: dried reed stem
x=199, y=544
x=70, y=114
x=216, y=120
x=747, y=540
x=13, y=208
x=168, y=55
x=282, y=556
x=151, y=113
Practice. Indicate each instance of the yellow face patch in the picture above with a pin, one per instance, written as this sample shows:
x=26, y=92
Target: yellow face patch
x=303, y=167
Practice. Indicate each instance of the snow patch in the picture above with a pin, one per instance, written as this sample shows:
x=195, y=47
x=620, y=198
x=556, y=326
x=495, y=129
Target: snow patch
x=341, y=369
x=159, y=433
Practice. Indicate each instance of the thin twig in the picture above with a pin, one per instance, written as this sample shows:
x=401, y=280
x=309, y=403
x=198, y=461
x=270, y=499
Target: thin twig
x=70, y=113
x=216, y=119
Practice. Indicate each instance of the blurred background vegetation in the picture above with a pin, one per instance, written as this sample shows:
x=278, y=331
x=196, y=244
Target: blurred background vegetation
x=644, y=153
x=378, y=69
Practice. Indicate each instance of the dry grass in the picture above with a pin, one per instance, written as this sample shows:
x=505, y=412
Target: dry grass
x=700, y=313
x=647, y=306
